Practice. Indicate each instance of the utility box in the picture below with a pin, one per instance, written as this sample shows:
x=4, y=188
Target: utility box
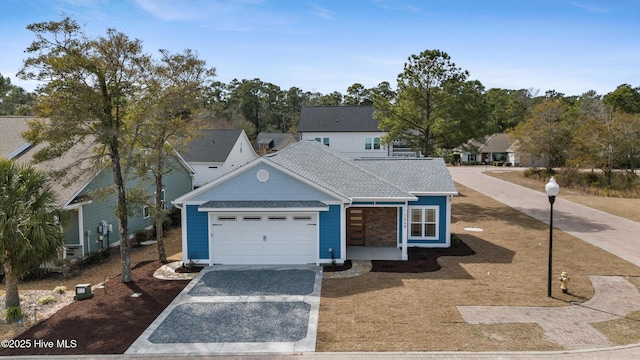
x=83, y=292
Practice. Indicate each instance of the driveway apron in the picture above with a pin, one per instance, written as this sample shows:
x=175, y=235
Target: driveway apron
x=239, y=309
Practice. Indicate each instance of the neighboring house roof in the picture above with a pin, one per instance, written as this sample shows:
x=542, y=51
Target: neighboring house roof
x=275, y=141
x=212, y=146
x=81, y=169
x=77, y=161
x=499, y=142
x=338, y=119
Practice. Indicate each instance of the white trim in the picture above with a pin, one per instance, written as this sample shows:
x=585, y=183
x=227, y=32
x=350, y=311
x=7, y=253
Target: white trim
x=250, y=165
x=185, y=248
x=77, y=205
x=448, y=224
x=238, y=210
x=405, y=233
x=343, y=233
x=423, y=221
x=380, y=199
x=81, y=228
x=427, y=193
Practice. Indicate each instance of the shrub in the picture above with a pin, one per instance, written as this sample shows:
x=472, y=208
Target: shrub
x=13, y=313
x=92, y=258
x=140, y=237
x=175, y=216
x=60, y=289
x=47, y=299
x=167, y=224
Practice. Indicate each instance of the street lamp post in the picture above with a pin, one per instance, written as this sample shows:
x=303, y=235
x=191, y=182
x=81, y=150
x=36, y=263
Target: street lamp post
x=552, y=189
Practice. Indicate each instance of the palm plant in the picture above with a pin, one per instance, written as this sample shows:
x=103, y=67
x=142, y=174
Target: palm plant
x=30, y=228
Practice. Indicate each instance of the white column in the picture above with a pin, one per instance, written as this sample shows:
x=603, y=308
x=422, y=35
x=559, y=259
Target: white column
x=81, y=228
x=343, y=233
x=405, y=236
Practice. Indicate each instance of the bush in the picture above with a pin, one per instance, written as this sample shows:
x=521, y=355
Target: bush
x=93, y=258
x=47, y=299
x=175, y=216
x=167, y=224
x=13, y=313
x=59, y=289
x=140, y=237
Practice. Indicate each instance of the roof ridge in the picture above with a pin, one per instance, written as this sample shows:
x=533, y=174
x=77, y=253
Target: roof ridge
x=337, y=155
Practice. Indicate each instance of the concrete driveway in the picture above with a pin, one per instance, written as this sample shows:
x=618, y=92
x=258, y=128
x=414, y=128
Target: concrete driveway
x=239, y=309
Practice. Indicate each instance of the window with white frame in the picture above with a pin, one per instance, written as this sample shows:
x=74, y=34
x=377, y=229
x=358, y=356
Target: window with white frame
x=323, y=140
x=424, y=222
x=372, y=143
x=145, y=212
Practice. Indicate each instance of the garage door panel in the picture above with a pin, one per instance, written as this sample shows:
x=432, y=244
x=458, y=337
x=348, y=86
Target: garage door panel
x=274, y=239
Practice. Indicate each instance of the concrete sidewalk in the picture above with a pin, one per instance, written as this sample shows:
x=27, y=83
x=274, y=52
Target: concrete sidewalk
x=611, y=233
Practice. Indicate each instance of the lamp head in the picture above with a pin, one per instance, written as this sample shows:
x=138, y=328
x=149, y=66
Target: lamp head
x=552, y=187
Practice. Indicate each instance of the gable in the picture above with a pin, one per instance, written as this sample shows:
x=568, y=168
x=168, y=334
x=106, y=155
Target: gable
x=261, y=182
x=337, y=119
x=211, y=146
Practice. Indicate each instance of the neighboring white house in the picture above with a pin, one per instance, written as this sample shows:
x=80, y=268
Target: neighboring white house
x=351, y=130
x=216, y=152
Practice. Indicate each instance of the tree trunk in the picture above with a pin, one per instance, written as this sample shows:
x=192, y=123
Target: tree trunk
x=159, y=216
x=12, y=299
x=121, y=212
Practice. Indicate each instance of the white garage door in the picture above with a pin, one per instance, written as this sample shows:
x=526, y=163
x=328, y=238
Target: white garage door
x=261, y=238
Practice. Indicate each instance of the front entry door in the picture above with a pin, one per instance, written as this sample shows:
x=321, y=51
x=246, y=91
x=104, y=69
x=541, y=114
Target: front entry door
x=355, y=226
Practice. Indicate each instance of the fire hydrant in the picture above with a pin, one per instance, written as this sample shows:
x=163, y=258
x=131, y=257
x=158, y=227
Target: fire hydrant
x=564, y=280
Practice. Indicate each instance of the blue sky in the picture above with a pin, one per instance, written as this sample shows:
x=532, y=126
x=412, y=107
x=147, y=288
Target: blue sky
x=570, y=46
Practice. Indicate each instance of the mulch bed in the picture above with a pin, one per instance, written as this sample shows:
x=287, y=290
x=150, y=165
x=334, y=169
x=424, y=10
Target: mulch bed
x=108, y=323
x=334, y=268
x=187, y=270
x=421, y=259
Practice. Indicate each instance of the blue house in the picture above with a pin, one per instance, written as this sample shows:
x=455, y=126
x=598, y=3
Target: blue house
x=308, y=202
x=92, y=224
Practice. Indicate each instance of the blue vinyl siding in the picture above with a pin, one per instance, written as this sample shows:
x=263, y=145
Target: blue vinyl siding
x=441, y=202
x=279, y=186
x=330, y=232
x=176, y=183
x=197, y=233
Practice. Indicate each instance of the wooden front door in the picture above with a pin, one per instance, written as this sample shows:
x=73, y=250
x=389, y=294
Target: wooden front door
x=355, y=226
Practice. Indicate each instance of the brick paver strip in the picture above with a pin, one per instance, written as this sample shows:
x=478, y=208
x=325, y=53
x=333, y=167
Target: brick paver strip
x=614, y=297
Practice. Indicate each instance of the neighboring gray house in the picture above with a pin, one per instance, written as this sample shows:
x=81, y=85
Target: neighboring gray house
x=216, y=152
x=308, y=202
x=75, y=190
x=266, y=143
x=499, y=149
x=351, y=130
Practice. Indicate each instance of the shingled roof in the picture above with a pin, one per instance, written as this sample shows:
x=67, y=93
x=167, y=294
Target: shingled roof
x=211, y=146
x=338, y=119
x=80, y=169
x=362, y=179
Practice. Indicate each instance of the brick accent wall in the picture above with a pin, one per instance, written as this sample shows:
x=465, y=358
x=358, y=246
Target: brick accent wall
x=381, y=226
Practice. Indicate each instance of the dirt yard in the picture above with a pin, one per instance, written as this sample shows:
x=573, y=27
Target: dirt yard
x=417, y=312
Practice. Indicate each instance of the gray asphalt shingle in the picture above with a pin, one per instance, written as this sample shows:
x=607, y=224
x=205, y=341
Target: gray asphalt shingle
x=337, y=118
